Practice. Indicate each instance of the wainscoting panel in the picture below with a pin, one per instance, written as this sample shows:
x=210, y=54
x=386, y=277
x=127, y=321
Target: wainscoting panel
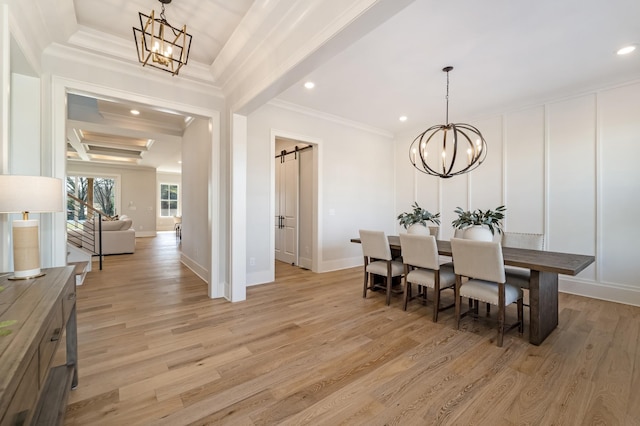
x=572, y=177
x=486, y=182
x=619, y=180
x=524, y=133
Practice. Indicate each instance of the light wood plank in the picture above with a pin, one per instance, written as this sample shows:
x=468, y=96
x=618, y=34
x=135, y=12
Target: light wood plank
x=308, y=349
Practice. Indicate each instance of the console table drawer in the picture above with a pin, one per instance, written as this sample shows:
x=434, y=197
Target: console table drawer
x=21, y=407
x=49, y=342
x=40, y=311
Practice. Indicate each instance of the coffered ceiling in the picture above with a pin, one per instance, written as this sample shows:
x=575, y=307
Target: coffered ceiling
x=506, y=55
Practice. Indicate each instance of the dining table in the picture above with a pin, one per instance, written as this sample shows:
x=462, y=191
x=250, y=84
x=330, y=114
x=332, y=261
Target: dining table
x=544, y=266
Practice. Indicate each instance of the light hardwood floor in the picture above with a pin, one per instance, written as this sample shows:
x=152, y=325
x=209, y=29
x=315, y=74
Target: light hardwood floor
x=308, y=349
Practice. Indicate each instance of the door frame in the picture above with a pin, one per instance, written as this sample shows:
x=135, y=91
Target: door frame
x=60, y=88
x=316, y=231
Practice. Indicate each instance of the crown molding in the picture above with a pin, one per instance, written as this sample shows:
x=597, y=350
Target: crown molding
x=115, y=47
x=278, y=103
x=129, y=68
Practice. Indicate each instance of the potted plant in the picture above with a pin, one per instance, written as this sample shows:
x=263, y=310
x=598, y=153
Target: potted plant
x=478, y=223
x=415, y=222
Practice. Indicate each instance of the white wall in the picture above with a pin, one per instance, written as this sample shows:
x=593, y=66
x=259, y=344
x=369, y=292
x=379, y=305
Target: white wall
x=167, y=223
x=138, y=194
x=567, y=168
x=355, y=186
x=196, y=217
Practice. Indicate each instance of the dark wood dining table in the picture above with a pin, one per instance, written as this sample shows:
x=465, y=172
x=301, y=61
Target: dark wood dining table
x=543, y=282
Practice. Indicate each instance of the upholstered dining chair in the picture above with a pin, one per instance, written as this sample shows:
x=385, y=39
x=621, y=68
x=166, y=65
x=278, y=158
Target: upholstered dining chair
x=483, y=264
x=422, y=267
x=378, y=261
x=520, y=276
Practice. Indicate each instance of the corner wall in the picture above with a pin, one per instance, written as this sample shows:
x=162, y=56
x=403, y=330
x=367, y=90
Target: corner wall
x=355, y=186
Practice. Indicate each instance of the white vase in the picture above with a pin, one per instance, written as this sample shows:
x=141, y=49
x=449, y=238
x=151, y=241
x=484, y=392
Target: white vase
x=478, y=233
x=418, y=229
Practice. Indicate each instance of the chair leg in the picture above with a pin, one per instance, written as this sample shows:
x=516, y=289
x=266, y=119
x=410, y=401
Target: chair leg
x=520, y=317
x=488, y=309
x=458, y=301
x=366, y=284
x=436, y=301
x=407, y=293
x=389, y=282
x=501, y=313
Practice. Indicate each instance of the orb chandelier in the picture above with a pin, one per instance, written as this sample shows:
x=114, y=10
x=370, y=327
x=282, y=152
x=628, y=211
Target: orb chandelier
x=160, y=44
x=450, y=149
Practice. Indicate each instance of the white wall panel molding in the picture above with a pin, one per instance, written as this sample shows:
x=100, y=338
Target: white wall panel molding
x=329, y=117
x=618, y=110
x=598, y=188
x=569, y=168
x=525, y=170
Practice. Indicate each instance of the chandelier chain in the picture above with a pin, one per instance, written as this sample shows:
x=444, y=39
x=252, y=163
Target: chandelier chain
x=165, y=19
x=447, y=115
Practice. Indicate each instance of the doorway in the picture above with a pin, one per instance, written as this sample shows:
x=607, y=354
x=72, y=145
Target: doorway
x=294, y=201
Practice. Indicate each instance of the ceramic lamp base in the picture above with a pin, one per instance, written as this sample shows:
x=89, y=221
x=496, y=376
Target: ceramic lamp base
x=26, y=250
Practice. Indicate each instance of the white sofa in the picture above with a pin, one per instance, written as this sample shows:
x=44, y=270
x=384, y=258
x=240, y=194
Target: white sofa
x=118, y=236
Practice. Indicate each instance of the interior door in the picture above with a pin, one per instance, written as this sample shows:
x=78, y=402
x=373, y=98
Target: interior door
x=286, y=219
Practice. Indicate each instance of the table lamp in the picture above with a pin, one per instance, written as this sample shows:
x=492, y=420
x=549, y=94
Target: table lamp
x=28, y=194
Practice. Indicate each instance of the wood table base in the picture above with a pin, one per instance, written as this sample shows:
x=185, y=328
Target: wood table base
x=543, y=300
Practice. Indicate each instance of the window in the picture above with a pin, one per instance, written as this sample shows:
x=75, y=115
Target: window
x=99, y=192
x=168, y=200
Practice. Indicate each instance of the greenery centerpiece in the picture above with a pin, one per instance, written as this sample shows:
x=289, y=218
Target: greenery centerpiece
x=418, y=216
x=492, y=219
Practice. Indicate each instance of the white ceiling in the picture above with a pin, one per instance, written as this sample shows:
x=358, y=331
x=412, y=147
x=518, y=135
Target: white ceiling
x=506, y=54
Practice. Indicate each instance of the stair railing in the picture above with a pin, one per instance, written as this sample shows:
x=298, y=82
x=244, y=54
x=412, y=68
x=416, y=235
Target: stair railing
x=81, y=226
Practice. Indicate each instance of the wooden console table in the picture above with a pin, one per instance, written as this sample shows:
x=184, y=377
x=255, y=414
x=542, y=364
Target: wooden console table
x=32, y=390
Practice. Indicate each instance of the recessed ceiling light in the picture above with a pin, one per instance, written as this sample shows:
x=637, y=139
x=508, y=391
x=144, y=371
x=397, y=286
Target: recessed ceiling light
x=403, y=118
x=627, y=49
x=309, y=85
x=135, y=112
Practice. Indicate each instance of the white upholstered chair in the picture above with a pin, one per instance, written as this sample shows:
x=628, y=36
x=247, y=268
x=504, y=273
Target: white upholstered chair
x=422, y=267
x=520, y=276
x=378, y=261
x=483, y=264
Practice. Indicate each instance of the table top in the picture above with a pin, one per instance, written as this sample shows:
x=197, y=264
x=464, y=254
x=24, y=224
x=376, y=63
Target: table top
x=538, y=260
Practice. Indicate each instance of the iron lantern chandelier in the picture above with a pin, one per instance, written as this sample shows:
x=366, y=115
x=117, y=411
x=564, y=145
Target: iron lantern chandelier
x=161, y=45
x=438, y=150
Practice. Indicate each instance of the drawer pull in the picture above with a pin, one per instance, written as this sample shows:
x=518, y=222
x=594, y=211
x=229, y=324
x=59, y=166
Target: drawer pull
x=71, y=296
x=56, y=334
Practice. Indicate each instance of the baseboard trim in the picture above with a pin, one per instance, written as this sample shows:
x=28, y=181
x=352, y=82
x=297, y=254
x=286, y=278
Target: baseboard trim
x=598, y=290
x=338, y=264
x=197, y=269
x=260, y=277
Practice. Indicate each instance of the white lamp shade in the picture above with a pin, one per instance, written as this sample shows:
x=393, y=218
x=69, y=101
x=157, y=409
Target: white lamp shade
x=33, y=194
